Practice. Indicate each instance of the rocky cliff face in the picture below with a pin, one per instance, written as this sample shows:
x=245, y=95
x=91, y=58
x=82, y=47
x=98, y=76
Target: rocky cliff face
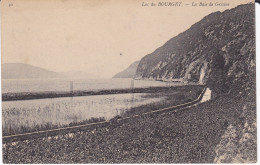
x=218, y=51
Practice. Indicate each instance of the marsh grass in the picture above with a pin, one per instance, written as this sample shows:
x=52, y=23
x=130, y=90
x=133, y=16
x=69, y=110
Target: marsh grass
x=59, y=115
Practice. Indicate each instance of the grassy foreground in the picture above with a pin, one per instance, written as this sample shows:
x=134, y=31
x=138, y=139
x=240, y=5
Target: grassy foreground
x=191, y=135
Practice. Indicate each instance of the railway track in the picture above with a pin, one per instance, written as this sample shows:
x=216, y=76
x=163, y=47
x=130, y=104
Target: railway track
x=72, y=129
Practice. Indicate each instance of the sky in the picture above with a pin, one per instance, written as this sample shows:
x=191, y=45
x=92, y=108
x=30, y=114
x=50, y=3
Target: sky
x=85, y=35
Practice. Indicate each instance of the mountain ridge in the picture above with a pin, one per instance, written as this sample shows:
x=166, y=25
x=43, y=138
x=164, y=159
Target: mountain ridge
x=26, y=71
x=129, y=72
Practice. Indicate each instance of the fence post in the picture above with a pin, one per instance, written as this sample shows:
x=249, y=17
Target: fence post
x=71, y=87
x=132, y=87
x=132, y=84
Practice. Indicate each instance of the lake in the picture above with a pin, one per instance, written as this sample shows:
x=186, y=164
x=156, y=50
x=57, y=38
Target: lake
x=47, y=85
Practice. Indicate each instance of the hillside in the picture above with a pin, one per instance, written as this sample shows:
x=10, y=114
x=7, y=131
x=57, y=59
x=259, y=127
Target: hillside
x=128, y=72
x=26, y=71
x=219, y=51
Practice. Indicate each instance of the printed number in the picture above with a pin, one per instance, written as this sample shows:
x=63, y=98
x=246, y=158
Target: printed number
x=10, y=5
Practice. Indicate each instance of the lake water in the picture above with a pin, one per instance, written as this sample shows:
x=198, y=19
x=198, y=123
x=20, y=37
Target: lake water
x=40, y=85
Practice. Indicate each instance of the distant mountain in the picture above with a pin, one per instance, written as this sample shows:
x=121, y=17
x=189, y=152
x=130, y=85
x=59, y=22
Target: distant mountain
x=128, y=72
x=26, y=71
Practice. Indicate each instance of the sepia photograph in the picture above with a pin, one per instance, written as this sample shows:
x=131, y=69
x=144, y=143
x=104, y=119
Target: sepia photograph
x=128, y=81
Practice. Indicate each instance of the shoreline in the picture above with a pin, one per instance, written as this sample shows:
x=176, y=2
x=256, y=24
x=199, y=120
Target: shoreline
x=48, y=95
